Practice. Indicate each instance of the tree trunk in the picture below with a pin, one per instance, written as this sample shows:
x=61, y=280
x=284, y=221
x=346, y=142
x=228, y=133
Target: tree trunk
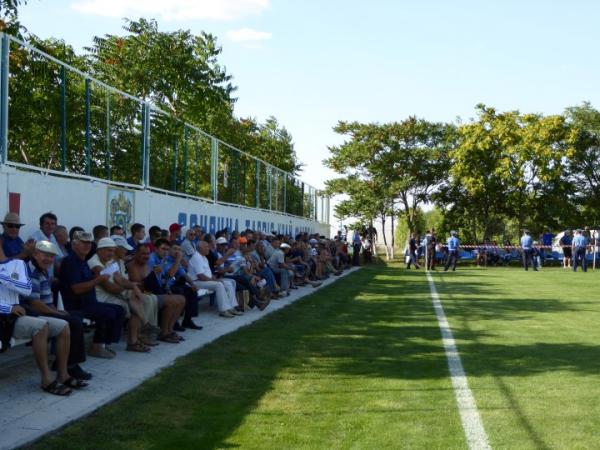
x=387, y=254
x=393, y=232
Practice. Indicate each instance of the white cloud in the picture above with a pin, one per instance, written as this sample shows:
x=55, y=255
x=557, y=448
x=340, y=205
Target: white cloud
x=170, y=10
x=248, y=35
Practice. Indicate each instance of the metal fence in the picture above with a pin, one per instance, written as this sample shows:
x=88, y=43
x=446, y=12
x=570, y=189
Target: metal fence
x=60, y=119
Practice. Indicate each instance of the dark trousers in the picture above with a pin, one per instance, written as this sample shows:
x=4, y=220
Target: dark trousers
x=77, y=351
x=356, y=255
x=243, y=284
x=430, y=263
x=528, y=259
x=452, y=258
x=579, y=258
x=109, y=321
x=191, y=301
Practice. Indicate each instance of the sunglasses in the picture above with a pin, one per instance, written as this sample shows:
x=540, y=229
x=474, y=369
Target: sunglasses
x=12, y=225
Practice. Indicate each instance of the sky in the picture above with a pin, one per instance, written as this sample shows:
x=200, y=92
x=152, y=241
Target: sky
x=313, y=63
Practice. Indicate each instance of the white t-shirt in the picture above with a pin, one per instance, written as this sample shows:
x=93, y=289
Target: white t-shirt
x=14, y=280
x=198, y=265
x=109, y=269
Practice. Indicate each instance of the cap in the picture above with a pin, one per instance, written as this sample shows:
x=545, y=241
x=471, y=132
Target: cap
x=47, y=247
x=313, y=241
x=120, y=241
x=221, y=241
x=106, y=243
x=174, y=227
x=83, y=236
x=284, y=245
x=12, y=219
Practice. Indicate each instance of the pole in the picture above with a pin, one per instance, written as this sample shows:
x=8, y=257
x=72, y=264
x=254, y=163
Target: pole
x=4, y=74
x=88, y=119
x=63, y=118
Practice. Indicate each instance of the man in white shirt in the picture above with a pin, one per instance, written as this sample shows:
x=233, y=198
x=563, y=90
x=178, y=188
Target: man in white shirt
x=202, y=276
x=14, y=280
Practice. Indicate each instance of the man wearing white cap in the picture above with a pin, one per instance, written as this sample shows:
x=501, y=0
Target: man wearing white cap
x=120, y=291
x=277, y=264
x=42, y=302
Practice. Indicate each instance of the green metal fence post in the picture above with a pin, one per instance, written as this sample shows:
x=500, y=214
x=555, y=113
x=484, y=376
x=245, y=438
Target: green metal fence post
x=107, y=137
x=269, y=187
x=88, y=120
x=148, y=146
x=185, y=158
x=63, y=118
x=257, y=181
x=302, y=202
x=175, y=157
x=4, y=71
x=214, y=166
x=284, y=192
x=143, y=144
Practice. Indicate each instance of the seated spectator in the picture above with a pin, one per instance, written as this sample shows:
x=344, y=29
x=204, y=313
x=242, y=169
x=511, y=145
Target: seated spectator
x=150, y=300
x=48, y=223
x=62, y=240
x=202, y=276
x=152, y=278
x=99, y=232
x=154, y=234
x=14, y=280
x=277, y=264
x=12, y=244
x=78, y=289
x=175, y=233
x=178, y=282
x=40, y=300
x=138, y=233
x=118, y=290
x=72, y=232
x=188, y=246
x=117, y=230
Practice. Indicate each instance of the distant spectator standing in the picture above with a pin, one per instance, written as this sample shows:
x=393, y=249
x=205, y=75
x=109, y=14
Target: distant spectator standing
x=527, y=249
x=547, y=238
x=413, y=246
x=580, y=243
x=453, y=245
x=566, y=241
x=356, y=246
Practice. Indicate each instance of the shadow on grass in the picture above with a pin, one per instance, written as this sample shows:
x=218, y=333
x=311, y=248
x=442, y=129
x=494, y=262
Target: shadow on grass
x=364, y=325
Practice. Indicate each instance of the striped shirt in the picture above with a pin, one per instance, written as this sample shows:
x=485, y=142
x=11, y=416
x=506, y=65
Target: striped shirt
x=40, y=285
x=14, y=280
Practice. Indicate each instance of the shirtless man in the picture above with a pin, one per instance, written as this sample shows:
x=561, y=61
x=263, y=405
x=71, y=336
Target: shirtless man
x=151, y=279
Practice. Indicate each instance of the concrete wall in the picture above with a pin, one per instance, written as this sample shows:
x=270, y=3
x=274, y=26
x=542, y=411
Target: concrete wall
x=86, y=203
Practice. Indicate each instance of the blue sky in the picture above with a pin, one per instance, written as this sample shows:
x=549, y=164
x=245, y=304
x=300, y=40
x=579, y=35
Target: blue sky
x=312, y=63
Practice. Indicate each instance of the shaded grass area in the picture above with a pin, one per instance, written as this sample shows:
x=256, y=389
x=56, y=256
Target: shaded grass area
x=529, y=345
x=358, y=364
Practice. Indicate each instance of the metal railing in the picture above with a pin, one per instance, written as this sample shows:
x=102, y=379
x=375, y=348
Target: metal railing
x=61, y=119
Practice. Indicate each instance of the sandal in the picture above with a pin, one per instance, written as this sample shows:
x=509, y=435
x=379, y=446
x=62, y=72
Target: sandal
x=137, y=347
x=168, y=338
x=55, y=388
x=74, y=383
x=177, y=336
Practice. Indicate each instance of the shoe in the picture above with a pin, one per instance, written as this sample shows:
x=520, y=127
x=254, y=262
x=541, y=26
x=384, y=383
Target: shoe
x=77, y=372
x=102, y=353
x=178, y=327
x=191, y=325
x=226, y=314
x=262, y=305
x=316, y=284
x=168, y=338
x=235, y=312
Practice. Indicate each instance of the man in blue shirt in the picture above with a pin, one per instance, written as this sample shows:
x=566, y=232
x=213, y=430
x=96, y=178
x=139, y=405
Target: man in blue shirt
x=580, y=243
x=527, y=248
x=77, y=287
x=453, y=246
x=12, y=244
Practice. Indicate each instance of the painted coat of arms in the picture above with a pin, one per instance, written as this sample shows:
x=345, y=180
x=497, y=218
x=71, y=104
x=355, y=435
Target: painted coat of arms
x=121, y=208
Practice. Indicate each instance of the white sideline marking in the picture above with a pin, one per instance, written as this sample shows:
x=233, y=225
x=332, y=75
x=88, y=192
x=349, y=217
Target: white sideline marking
x=469, y=416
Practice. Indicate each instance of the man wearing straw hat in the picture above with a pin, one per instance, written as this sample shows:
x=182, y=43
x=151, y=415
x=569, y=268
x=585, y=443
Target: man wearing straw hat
x=12, y=244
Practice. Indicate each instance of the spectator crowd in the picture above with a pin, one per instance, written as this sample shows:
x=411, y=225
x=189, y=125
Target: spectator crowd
x=59, y=284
